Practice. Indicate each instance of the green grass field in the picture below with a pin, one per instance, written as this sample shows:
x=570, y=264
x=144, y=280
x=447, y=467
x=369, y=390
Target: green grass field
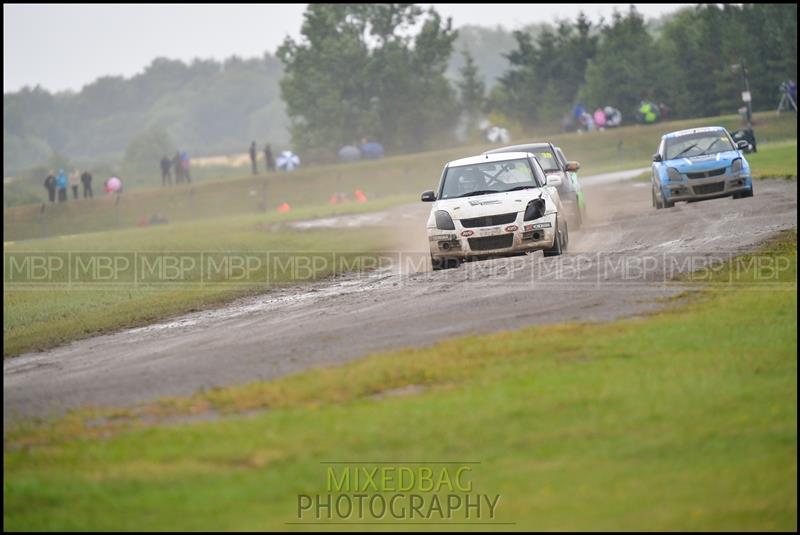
x=647, y=423
x=775, y=160
x=40, y=316
x=398, y=177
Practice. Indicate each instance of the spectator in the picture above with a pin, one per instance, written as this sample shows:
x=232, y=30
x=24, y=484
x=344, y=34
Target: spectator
x=270, y=160
x=663, y=111
x=74, y=183
x=50, y=185
x=176, y=163
x=166, y=164
x=62, y=182
x=86, y=178
x=600, y=119
x=253, y=158
x=185, y=167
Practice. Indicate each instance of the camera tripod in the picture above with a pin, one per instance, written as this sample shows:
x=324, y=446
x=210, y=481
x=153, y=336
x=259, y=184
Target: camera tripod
x=787, y=102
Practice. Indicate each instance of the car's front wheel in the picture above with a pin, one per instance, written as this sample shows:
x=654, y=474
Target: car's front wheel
x=557, y=248
x=439, y=264
x=656, y=202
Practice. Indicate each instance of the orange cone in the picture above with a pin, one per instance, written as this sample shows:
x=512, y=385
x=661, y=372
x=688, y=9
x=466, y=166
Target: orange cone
x=360, y=197
x=284, y=207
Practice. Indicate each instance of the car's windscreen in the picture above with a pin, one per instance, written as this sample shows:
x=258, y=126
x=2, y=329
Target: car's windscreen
x=489, y=177
x=697, y=144
x=547, y=160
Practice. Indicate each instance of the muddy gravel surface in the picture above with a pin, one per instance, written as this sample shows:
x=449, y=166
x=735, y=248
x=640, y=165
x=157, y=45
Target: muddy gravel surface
x=619, y=264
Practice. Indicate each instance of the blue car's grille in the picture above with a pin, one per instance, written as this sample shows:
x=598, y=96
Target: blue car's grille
x=707, y=174
x=705, y=189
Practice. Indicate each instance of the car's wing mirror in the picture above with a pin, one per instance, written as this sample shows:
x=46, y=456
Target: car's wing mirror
x=657, y=157
x=428, y=196
x=553, y=180
x=573, y=166
x=742, y=144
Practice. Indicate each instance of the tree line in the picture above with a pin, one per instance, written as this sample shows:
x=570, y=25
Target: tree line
x=207, y=105
x=402, y=75
x=692, y=62
x=359, y=70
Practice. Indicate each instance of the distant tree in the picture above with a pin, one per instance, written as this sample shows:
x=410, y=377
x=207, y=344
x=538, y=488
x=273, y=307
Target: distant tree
x=488, y=47
x=358, y=72
x=547, y=70
x=21, y=151
x=144, y=152
x=472, y=90
x=472, y=94
x=699, y=46
x=208, y=105
x=625, y=69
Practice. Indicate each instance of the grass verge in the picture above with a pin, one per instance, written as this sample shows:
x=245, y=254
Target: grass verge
x=681, y=420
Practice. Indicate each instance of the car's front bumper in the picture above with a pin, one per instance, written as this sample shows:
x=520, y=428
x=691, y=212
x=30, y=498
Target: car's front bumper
x=518, y=237
x=705, y=188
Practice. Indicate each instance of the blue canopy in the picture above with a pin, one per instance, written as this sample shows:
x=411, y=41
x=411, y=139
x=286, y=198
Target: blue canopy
x=372, y=150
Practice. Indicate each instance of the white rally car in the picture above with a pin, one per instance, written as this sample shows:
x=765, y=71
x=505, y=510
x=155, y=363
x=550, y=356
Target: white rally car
x=493, y=205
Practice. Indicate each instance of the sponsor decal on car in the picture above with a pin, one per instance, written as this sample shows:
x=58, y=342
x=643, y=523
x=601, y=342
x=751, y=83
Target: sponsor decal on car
x=538, y=226
x=483, y=203
x=490, y=231
x=445, y=237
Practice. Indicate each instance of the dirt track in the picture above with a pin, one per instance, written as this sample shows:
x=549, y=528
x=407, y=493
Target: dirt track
x=330, y=322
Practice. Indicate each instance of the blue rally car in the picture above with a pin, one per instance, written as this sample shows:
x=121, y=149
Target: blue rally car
x=697, y=164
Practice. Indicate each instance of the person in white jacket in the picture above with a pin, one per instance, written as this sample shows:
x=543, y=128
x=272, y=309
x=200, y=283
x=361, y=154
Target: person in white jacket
x=74, y=183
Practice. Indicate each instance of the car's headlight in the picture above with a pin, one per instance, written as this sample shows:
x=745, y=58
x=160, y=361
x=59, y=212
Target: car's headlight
x=673, y=174
x=737, y=165
x=534, y=210
x=444, y=221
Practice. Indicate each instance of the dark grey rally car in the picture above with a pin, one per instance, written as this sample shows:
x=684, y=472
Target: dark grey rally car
x=560, y=173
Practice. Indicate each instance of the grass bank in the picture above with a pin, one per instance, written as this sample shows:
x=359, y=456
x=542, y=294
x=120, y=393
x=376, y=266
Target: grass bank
x=681, y=420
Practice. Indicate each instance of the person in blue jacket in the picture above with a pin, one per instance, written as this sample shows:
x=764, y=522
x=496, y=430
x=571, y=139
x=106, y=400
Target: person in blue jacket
x=62, y=183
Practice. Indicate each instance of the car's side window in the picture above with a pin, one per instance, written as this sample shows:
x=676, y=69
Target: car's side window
x=561, y=158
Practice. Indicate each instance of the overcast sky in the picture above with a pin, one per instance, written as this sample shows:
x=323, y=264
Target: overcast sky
x=67, y=46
